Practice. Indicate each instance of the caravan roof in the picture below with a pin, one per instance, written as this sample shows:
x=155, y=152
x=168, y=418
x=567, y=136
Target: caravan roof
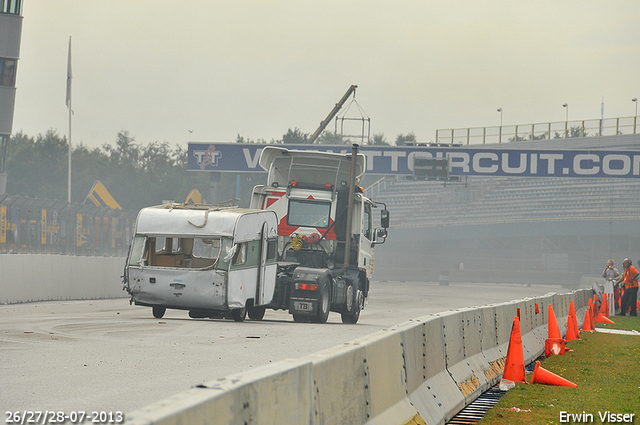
x=176, y=219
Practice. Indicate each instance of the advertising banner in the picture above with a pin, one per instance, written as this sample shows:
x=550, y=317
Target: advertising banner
x=463, y=161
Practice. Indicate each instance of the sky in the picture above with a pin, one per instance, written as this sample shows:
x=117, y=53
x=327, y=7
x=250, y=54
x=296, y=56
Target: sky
x=208, y=71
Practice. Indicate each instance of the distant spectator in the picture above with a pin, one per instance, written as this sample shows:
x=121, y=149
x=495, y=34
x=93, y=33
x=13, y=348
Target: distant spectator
x=610, y=272
x=630, y=279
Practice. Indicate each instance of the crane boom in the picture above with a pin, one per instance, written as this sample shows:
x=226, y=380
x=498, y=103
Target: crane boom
x=332, y=114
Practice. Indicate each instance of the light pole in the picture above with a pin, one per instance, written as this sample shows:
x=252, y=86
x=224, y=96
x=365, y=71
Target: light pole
x=635, y=117
x=566, y=120
x=500, y=131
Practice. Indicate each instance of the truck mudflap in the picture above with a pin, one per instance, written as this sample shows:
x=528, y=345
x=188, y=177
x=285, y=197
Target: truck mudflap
x=311, y=294
x=284, y=285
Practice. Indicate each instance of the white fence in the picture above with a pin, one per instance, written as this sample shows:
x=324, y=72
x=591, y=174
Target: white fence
x=539, y=131
x=37, y=277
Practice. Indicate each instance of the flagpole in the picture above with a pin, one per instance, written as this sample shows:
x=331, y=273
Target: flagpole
x=69, y=180
x=70, y=112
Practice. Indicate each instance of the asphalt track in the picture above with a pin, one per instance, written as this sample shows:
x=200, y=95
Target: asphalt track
x=105, y=355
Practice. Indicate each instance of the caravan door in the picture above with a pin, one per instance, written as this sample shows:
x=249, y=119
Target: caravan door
x=268, y=268
x=252, y=271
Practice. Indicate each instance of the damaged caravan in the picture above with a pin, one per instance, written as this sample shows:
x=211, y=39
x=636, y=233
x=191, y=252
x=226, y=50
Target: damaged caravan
x=213, y=261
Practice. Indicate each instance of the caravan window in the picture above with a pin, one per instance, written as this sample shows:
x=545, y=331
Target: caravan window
x=136, y=250
x=206, y=247
x=271, y=249
x=240, y=256
x=182, y=252
x=167, y=245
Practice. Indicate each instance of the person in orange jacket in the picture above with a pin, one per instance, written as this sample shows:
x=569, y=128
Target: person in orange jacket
x=630, y=279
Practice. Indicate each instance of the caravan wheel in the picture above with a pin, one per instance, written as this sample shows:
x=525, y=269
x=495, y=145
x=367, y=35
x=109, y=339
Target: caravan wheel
x=256, y=313
x=158, y=311
x=239, y=314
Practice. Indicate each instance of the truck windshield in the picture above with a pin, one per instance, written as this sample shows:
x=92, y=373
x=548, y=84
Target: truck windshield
x=308, y=213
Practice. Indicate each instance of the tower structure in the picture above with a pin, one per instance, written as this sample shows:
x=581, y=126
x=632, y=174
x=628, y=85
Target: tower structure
x=10, y=33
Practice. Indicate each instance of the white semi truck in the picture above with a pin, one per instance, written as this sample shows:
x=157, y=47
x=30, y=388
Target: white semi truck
x=306, y=245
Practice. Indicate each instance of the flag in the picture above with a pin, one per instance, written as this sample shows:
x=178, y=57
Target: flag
x=68, y=102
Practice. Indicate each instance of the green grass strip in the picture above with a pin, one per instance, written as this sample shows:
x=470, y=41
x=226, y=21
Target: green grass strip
x=606, y=368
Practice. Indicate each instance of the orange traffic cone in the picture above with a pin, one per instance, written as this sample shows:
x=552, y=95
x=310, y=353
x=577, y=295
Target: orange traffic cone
x=586, y=326
x=514, y=362
x=603, y=315
x=554, y=346
x=571, y=329
x=554, y=329
x=572, y=315
x=603, y=319
x=604, y=308
x=543, y=376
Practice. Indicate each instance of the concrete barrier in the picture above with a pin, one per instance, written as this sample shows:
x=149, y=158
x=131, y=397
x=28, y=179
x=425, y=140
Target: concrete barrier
x=350, y=401
x=464, y=360
x=39, y=277
x=421, y=371
x=438, y=394
x=279, y=393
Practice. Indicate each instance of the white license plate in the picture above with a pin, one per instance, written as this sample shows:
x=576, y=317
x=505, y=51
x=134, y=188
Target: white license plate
x=302, y=306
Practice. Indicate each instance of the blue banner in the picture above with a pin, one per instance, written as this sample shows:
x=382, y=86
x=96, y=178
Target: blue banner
x=463, y=161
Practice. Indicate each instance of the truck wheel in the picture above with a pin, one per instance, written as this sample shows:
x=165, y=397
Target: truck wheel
x=158, y=311
x=323, y=305
x=239, y=314
x=256, y=313
x=351, y=318
x=352, y=296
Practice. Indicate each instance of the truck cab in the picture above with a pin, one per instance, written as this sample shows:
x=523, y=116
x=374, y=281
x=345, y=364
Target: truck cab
x=309, y=192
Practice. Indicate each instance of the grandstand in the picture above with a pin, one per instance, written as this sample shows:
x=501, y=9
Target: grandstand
x=510, y=199
x=513, y=229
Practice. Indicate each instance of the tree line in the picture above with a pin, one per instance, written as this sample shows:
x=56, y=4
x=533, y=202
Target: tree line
x=136, y=175
x=297, y=137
